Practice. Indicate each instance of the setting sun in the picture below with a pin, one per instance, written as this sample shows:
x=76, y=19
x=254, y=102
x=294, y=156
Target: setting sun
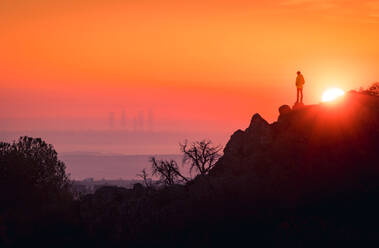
x=332, y=94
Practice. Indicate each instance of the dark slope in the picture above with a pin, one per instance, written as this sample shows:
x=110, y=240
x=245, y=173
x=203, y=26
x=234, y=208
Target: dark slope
x=311, y=149
x=309, y=179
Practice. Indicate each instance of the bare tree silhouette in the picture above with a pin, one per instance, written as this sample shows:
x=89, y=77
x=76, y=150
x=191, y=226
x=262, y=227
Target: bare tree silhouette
x=201, y=155
x=168, y=171
x=146, y=180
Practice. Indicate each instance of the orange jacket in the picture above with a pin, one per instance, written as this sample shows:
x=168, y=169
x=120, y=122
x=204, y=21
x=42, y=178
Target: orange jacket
x=300, y=81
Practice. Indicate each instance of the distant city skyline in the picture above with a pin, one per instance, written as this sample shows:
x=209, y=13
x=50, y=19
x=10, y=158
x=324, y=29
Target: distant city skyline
x=141, y=121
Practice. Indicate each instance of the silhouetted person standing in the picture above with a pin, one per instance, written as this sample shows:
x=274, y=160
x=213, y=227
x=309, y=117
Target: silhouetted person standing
x=299, y=85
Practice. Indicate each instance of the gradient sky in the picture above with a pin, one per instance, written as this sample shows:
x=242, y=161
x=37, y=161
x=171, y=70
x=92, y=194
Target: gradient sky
x=197, y=65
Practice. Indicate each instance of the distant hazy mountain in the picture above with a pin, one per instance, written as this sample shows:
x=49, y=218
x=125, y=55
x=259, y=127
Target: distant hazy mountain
x=97, y=165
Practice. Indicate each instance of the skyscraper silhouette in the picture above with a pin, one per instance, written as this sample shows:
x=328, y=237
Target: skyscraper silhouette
x=111, y=120
x=123, y=120
x=150, y=120
x=141, y=121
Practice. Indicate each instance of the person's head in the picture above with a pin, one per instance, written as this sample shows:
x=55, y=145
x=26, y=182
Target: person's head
x=298, y=72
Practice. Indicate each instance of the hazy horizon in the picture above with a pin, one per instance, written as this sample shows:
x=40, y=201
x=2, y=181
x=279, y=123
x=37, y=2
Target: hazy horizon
x=117, y=141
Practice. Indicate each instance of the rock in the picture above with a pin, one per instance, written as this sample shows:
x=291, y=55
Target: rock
x=284, y=109
x=259, y=131
x=234, y=146
x=257, y=122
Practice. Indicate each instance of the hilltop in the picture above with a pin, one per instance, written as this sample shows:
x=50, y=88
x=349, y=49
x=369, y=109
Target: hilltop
x=319, y=148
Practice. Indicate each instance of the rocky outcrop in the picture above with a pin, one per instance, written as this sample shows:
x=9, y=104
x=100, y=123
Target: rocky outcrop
x=309, y=139
x=254, y=140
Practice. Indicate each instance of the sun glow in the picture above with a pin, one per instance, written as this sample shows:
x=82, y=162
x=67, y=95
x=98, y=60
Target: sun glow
x=332, y=94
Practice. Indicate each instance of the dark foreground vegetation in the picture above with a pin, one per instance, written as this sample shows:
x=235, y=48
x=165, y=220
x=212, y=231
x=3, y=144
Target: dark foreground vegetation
x=310, y=179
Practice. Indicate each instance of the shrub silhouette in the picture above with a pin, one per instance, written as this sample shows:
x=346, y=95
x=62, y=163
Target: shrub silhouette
x=35, y=203
x=30, y=170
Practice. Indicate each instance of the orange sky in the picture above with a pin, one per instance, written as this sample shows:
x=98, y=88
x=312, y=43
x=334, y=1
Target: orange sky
x=193, y=63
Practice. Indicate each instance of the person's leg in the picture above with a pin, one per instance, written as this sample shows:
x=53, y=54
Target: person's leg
x=301, y=93
x=297, y=94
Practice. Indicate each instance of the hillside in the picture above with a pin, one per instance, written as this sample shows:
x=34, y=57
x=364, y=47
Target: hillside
x=309, y=179
x=319, y=148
